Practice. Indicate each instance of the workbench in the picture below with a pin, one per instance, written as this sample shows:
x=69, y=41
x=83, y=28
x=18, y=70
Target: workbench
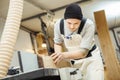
x=40, y=74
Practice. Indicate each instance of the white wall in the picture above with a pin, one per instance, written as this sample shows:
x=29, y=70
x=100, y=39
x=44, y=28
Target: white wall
x=24, y=42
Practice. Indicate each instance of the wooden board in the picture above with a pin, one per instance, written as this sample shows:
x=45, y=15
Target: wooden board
x=47, y=62
x=111, y=62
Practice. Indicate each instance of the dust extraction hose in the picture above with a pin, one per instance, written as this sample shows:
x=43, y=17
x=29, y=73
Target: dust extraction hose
x=9, y=35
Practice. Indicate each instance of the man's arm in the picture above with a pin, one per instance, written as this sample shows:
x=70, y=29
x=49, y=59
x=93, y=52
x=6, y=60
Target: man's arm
x=58, y=55
x=75, y=54
x=58, y=48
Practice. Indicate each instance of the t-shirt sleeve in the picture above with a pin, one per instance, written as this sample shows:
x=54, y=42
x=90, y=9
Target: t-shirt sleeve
x=88, y=37
x=57, y=35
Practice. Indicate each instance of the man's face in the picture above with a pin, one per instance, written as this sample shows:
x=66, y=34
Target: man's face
x=73, y=24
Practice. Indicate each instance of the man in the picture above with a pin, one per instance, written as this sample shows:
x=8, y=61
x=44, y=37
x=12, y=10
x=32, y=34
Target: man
x=79, y=42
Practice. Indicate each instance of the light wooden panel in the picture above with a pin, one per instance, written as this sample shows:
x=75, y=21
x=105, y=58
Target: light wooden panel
x=111, y=62
x=47, y=62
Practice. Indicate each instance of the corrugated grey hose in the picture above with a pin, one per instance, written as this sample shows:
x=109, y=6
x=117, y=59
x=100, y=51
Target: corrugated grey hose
x=9, y=35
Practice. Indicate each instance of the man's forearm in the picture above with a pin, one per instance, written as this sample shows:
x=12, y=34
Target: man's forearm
x=74, y=54
x=58, y=48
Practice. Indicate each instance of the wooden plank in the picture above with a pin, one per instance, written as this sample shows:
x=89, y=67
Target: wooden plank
x=47, y=62
x=111, y=62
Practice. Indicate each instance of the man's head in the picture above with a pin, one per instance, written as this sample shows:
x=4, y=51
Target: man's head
x=73, y=11
x=73, y=16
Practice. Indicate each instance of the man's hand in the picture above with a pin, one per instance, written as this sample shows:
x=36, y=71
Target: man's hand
x=57, y=57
